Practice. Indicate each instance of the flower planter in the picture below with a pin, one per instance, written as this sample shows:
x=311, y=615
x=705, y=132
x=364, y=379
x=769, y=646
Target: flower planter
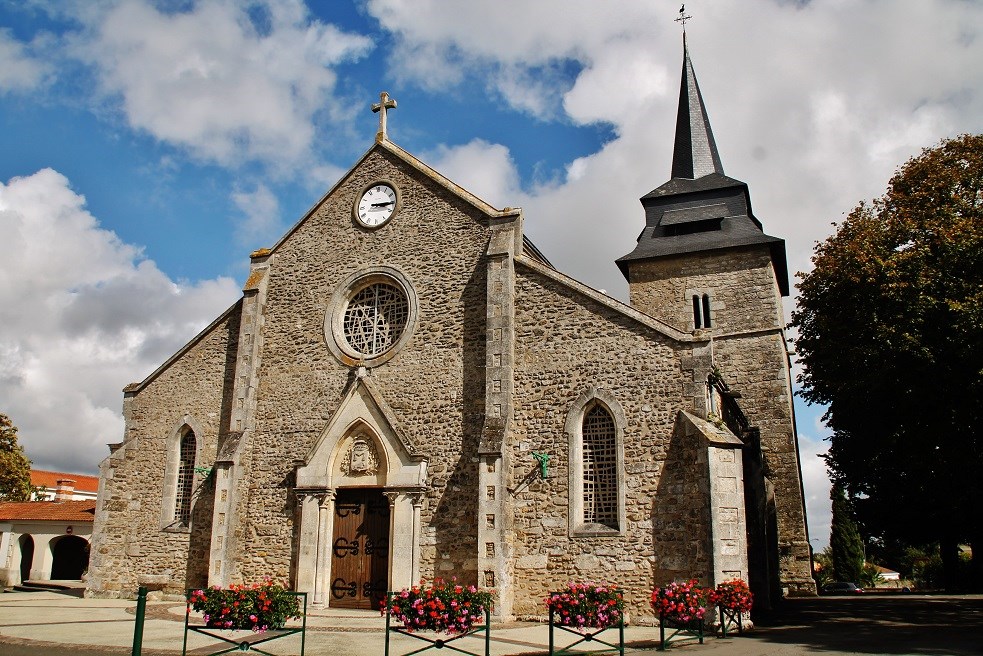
x=246, y=617
x=587, y=610
x=734, y=600
x=441, y=608
x=728, y=619
x=682, y=609
x=679, y=631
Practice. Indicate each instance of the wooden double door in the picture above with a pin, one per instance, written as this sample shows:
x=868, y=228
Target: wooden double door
x=360, y=549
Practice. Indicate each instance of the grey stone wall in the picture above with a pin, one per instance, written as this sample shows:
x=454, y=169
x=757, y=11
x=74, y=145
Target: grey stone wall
x=757, y=367
x=749, y=349
x=435, y=384
x=741, y=283
x=565, y=343
x=129, y=548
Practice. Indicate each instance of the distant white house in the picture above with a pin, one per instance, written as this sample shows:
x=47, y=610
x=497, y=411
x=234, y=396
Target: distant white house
x=74, y=487
x=888, y=574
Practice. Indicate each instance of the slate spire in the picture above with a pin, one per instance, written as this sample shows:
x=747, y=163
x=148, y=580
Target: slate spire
x=695, y=152
x=699, y=210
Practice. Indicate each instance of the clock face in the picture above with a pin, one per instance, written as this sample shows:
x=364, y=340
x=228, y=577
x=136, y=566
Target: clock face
x=376, y=205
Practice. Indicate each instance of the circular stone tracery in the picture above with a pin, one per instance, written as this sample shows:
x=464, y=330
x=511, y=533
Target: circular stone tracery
x=375, y=319
x=372, y=315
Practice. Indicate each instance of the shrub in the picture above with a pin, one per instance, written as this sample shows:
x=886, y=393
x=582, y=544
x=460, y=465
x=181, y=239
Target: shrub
x=259, y=606
x=587, y=605
x=441, y=607
x=870, y=577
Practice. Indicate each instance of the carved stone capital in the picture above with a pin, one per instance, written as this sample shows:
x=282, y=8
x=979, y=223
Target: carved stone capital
x=326, y=498
x=322, y=496
x=417, y=497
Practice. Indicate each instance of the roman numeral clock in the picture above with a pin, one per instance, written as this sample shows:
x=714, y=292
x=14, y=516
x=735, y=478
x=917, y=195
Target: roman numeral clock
x=376, y=205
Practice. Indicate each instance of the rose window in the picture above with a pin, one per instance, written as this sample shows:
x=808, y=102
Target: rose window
x=375, y=318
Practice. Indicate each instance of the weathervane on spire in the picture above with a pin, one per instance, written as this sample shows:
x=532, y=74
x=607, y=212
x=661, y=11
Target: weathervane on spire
x=683, y=17
x=385, y=103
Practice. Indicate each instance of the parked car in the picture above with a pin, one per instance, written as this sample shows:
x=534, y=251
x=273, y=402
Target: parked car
x=842, y=588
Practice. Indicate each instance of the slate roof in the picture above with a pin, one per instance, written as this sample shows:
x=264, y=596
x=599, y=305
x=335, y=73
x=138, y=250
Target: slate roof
x=700, y=209
x=686, y=185
x=67, y=511
x=695, y=151
x=733, y=232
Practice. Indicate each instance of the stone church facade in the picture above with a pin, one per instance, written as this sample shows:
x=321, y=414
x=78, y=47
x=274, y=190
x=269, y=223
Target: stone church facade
x=409, y=389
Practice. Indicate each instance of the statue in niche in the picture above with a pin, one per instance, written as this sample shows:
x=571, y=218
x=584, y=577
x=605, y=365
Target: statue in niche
x=361, y=459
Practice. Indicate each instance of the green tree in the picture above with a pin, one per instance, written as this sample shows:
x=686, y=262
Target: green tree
x=890, y=337
x=846, y=548
x=15, y=468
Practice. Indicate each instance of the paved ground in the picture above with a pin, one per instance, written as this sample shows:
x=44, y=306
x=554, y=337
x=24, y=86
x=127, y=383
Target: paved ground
x=47, y=623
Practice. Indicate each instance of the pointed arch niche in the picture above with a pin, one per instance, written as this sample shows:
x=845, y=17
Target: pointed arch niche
x=361, y=447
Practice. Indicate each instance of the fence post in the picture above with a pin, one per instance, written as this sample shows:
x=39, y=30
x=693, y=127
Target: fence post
x=138, y=623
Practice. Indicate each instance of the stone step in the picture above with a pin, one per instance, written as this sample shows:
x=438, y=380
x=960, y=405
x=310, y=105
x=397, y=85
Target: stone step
x=46, y=586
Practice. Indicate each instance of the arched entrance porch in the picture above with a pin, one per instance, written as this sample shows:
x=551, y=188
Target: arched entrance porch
x=26, y=543
x=70, y=558
x=361, y=458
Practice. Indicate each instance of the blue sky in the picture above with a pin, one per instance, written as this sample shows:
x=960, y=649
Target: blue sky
x=147, y=147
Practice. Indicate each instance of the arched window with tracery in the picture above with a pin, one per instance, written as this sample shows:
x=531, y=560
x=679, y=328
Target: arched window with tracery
x=185, y=477
x=181, y=456
x=600, y=467
x=595, y=428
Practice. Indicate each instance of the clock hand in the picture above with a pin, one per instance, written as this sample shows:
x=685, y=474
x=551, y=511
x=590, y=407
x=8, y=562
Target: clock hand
x=382, y=204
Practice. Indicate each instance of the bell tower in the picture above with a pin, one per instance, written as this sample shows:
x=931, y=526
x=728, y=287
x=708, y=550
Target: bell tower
x=704, y=264
x=703, y=260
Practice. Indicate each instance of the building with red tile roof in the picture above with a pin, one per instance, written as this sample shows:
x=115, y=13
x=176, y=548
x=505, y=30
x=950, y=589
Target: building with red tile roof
x=70, y=486
x=45, y=540
x=62, y=511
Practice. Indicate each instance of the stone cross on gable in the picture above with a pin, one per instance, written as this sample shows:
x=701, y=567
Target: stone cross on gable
x=385, y=103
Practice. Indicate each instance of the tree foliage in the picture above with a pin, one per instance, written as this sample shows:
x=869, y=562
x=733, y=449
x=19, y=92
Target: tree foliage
x=845, y=546
x=823, y=568
x=890, y=337
x=15, y=468
x=870, y=577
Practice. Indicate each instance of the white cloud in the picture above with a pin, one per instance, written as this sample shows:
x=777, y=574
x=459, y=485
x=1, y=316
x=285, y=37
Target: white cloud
x=484, y=169
x=519, y=46
x=20, y=71
x=262, y=211
x=815, y=476
x=321, y=177
x=814, y=105
x=91, y=316
x=218, y=82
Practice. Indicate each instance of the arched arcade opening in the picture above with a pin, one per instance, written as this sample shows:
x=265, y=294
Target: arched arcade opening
x=26, y=556
x=70, y=558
